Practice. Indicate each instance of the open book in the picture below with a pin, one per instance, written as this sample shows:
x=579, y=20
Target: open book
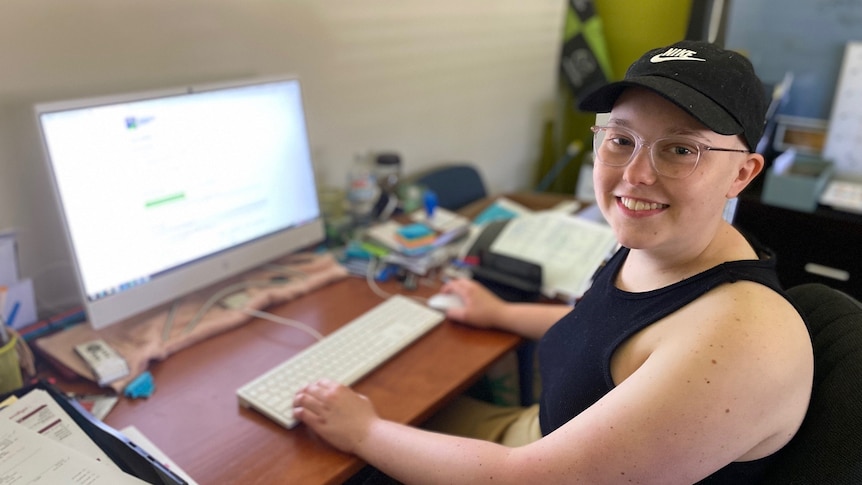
x=569, y=248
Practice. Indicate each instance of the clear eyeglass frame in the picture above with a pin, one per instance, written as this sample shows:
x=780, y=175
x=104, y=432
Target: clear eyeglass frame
x=672, y=157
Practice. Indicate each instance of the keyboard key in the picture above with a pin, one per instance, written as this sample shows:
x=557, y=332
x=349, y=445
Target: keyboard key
x=346, y=355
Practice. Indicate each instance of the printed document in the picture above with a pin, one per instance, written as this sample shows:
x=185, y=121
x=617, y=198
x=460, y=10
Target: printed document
x=29, y=457
x=568, y=248
x=38, y=411
x=41, y=443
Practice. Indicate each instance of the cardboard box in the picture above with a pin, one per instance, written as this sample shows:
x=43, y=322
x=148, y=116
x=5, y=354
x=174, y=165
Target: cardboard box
x=799, y=185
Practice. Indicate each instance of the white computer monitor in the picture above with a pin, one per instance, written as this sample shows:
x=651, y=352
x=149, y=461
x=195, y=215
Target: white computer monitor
x=165, y=192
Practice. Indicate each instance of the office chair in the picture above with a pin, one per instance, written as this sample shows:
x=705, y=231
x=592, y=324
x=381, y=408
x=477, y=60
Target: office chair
x=455, y=185
x=828, y=446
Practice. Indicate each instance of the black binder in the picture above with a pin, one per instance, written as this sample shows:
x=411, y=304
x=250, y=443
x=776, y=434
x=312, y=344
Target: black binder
x=509, y=278
x=126, y=454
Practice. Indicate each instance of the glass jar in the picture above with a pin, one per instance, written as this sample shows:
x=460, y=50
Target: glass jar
x=388, y=171
x=362, y=190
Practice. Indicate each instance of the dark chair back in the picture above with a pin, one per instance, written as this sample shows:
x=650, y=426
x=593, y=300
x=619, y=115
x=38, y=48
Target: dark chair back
x=828, y=447
x=455, y=185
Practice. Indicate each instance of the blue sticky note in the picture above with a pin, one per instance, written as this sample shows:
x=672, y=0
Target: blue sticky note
x=414, y=231
x=494, y=212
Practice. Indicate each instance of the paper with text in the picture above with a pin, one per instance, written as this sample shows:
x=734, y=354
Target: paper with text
x=29, y=457
x=38, y=411
x=844, y=137
x=568, y=248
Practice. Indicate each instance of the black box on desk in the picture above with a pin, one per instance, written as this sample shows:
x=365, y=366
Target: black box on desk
x=799, y=185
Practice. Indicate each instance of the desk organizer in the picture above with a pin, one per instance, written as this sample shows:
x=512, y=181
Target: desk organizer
x=799, y=186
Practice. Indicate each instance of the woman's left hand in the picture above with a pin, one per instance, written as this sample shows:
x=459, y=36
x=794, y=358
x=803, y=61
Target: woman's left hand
x=335, y=412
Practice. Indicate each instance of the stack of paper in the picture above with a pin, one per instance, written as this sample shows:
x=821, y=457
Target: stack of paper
x=448, y=226
x=843, y=195
x=442, y=220
x=41, y=443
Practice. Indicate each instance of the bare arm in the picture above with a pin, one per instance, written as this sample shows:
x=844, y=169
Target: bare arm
x=725, y=379
x=348, y=421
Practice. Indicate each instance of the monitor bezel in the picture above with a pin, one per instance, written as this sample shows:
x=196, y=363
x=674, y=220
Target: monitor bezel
x=195, y=275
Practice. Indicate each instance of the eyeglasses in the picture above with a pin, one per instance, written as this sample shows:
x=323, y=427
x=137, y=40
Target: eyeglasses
x=673, y=157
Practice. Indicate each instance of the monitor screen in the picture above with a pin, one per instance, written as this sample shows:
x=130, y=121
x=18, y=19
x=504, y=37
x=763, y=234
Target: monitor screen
x=163, y=193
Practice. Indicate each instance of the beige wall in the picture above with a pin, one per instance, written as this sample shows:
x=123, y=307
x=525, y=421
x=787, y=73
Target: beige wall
x=443, y=80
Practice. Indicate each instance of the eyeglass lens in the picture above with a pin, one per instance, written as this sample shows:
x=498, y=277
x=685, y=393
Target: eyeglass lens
x=673, y=157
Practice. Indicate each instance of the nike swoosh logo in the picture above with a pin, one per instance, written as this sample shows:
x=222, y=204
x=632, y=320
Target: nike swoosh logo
x=661, y=58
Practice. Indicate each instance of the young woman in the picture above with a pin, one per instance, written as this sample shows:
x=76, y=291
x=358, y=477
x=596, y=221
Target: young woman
x=684, y=362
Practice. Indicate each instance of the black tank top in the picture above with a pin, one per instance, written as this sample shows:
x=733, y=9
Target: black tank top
x=575, y=353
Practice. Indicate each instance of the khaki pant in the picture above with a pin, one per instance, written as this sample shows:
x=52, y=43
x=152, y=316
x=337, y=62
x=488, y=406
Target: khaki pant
x=510, y=426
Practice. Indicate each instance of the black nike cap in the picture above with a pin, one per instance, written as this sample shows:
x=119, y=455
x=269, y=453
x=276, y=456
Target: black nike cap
x=716, y=86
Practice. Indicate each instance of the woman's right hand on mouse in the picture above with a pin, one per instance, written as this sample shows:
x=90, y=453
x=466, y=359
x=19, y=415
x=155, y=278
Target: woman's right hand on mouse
x=481, y=308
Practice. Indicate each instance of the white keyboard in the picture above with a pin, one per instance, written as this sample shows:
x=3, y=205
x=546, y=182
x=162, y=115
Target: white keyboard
x=345, y=355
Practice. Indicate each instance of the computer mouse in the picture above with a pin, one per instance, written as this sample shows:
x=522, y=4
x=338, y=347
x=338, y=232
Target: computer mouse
x=445, y=301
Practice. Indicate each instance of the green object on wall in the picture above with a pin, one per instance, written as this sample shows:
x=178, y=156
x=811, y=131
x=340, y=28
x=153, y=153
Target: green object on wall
x=632, y=27
x=619, y=33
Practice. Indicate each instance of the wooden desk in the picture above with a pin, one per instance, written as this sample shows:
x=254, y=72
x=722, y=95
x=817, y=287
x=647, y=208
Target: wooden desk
x=195, y=418
x=532, y=200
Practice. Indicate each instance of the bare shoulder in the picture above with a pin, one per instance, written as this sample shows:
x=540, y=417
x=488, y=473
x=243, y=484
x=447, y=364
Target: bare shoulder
x=755, y=337
x=741, y=349
x=748, y=312
x=750, y=323
x=754, y=326
x=726, y=378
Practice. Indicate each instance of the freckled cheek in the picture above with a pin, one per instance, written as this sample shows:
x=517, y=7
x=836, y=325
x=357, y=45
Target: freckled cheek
x=605, y=179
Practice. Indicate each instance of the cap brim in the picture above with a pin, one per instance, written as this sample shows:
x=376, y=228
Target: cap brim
x=692, y=101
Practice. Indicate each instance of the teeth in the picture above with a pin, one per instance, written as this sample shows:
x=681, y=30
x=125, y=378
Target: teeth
x=639, y=205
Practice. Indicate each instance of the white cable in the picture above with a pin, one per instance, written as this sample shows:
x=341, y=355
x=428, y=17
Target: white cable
x=372, y=283
x=284, y=321
x=217, y=296
x=169, y=321
x=369, y=278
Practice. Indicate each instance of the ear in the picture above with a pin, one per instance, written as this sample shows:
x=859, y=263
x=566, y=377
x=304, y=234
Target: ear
x=746, y=172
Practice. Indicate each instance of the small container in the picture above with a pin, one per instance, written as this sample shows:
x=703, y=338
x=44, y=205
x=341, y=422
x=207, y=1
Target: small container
x=388, y=171
x=10, y=367
x=799, y=186
x=336, y=220
x=410, y=197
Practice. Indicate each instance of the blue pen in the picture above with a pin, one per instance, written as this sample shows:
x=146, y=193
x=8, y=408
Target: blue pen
x=12, y=313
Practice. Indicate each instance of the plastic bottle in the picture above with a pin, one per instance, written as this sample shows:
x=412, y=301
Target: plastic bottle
x=362, y=190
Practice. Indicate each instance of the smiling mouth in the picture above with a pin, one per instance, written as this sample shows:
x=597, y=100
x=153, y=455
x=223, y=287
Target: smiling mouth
x=639, y=205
